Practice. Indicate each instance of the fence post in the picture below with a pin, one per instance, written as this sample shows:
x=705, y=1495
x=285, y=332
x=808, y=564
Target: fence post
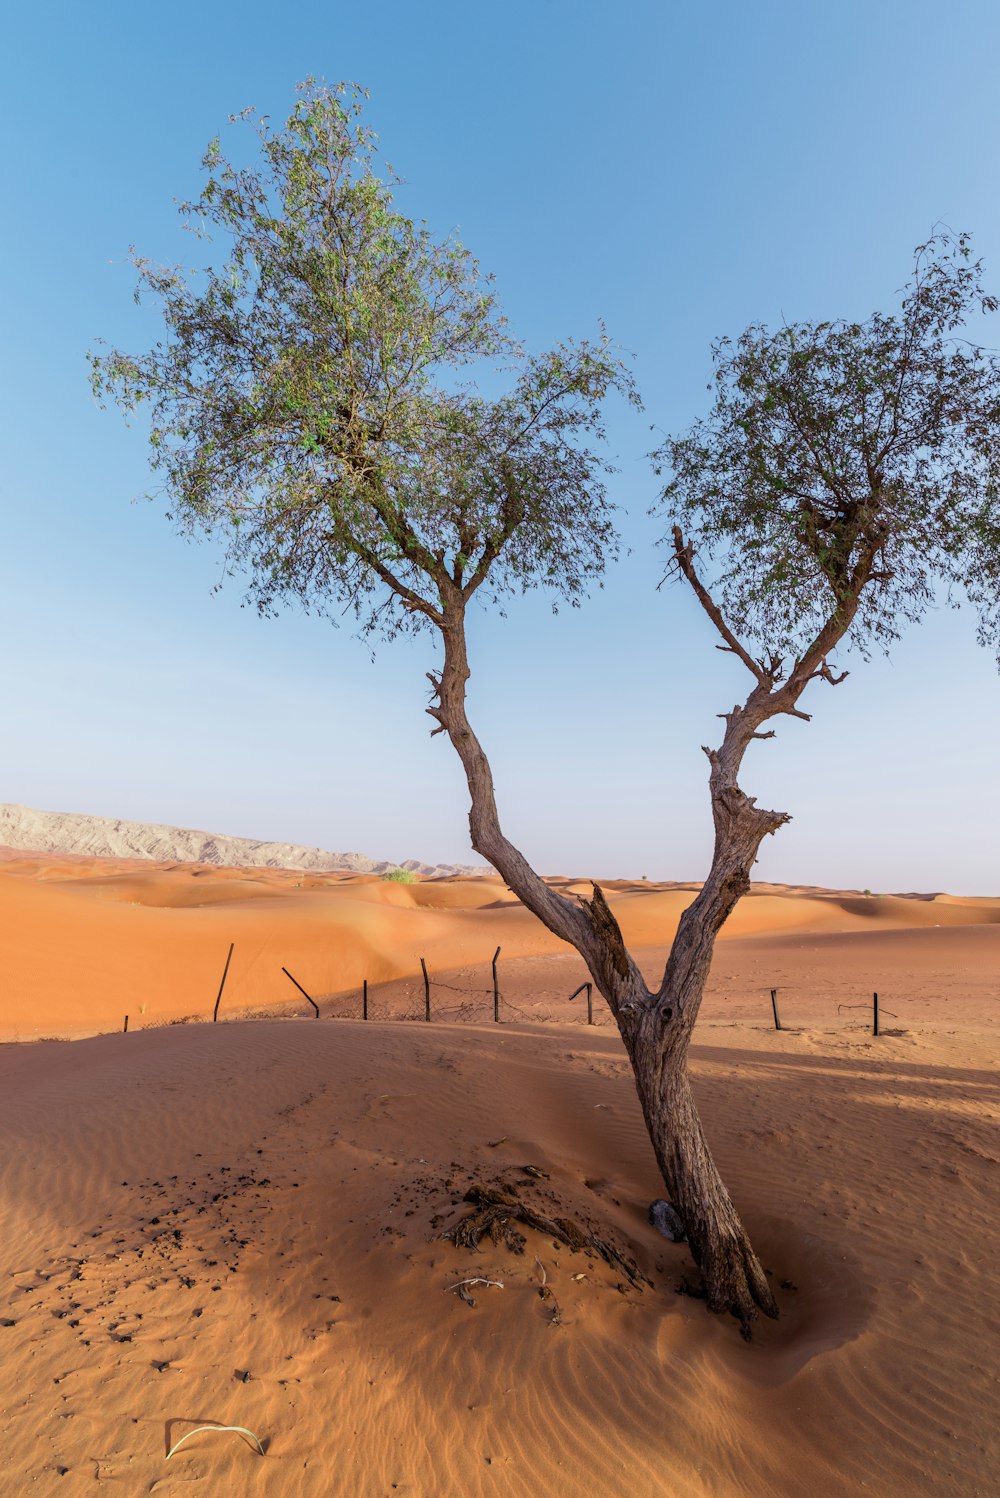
x=774, y=1006
x=590, y=999
x=225, y=970
x=125, y=1031
x=301, y=990
x=427, y=992
x=875, y=1026
x=496, y=989
x=364, y=999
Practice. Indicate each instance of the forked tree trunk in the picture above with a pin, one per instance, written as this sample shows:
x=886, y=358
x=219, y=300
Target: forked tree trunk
x=657, y=1036
x=655, y=1027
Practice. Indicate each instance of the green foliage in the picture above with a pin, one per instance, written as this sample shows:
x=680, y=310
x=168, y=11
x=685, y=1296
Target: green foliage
x=847, y=456
x=400, y=876
x=305, y=402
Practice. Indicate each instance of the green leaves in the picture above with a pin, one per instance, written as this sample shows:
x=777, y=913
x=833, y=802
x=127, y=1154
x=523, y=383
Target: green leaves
x=832, y=442
x=305, y=398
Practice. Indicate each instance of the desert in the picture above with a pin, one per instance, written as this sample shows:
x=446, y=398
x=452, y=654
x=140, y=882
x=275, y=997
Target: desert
x=557, y=454
x=240, y=1224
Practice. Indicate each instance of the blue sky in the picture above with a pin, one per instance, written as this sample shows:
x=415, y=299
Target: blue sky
x=676, y=171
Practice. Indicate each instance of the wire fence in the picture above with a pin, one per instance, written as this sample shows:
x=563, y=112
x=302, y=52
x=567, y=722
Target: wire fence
x=428, y=998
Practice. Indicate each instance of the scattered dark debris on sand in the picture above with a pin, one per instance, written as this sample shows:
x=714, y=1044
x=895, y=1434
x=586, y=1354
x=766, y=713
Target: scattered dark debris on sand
x=498, y=1210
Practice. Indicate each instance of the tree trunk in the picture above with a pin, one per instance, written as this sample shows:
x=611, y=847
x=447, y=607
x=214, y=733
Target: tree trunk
x=656, y=1028
x=733, y=1278
x=658, y=1040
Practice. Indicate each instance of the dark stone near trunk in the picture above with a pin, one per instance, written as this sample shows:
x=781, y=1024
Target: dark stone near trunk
x=667, y=1221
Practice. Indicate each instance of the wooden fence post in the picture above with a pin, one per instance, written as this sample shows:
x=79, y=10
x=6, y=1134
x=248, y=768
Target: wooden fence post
x=225, y=970
x=496, y=989
x=364, y=999
x=590, y=999
x=774, y=1006
x=427, y=992
x=301, y=990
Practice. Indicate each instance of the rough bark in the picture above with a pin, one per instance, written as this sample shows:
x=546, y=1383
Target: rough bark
x=587, y=925
x=732, y=1276
x=656, y=1028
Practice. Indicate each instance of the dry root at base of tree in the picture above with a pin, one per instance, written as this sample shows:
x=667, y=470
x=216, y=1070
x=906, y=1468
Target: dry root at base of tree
x=497, y=1210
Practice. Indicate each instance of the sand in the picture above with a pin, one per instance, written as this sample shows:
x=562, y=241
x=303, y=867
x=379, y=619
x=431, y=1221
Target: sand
x=240, y=1223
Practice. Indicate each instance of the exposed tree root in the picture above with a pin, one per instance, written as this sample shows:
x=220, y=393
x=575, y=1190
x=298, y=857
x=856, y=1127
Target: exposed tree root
x=496, y=1210
x=734, y=1281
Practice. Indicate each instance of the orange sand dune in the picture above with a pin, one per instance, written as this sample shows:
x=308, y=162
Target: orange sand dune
x=240, y=1224
x=86, y=941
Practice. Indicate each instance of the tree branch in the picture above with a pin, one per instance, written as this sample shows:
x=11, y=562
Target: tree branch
x=512, y=513
x=823, y=673
x=589, y=926
x=684, y=557
x=407, y=596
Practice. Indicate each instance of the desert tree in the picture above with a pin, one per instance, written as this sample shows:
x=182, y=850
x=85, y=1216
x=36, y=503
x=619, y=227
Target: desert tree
x=309, y=404
x=846, y=479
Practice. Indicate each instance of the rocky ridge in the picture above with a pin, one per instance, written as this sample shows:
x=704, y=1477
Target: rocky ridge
x=61, y=832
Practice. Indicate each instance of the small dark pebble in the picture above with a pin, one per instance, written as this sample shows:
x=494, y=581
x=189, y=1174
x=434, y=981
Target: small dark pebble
x=788, y=1285
x=243, y=1374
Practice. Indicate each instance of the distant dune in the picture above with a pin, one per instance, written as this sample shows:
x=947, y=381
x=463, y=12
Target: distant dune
x=86, y=940
x=66, y=832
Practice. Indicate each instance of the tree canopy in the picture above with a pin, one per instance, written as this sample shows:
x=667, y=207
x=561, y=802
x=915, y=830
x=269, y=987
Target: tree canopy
x=845, y=453
x=306, y=402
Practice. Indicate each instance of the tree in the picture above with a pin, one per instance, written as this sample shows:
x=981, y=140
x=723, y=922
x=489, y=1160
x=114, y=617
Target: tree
x=305, y=406
x=848, y=474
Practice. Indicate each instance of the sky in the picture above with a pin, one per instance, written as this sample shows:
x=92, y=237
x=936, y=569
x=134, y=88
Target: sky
x=675, y=171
